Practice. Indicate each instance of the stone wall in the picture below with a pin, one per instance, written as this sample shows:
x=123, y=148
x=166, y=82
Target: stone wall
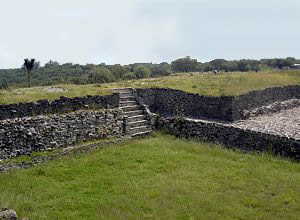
x=243, y=139
x=171, y=102
x=21, y=136
x=272, y=108
x=257, y=98
x=61, y=105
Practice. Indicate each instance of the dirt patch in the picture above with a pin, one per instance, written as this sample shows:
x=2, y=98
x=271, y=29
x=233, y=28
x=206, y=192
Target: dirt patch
x=55, y=89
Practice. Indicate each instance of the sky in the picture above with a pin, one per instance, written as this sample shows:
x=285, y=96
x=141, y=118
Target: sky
x=128, y=31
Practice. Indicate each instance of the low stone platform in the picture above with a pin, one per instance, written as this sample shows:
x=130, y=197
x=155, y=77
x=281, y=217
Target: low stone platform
x=285, y=123
x=276, y=133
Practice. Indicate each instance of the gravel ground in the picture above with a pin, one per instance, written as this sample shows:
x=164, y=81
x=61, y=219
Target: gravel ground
x=284, y=123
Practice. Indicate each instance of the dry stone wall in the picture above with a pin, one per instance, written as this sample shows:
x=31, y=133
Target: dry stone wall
x=272, y=108
x=39, y=130
x=61, y=105
x=258, y=98
x=22, y=136
x=243, y=139
x=170, y=102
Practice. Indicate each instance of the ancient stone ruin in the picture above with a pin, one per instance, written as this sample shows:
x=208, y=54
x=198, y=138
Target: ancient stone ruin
x=228, y=120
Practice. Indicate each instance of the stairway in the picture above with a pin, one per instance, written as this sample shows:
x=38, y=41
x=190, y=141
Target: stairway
x=137, y=123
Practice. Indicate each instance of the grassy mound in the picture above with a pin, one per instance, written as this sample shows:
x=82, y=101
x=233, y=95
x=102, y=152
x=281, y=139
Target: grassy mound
x=159, y=177
x=204, y=84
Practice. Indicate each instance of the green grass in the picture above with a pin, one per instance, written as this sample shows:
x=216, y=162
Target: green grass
x=37, y=93
x=81, y=145
x=29, y=158
x=234, y=83
x=158, y=177
x=208, y=84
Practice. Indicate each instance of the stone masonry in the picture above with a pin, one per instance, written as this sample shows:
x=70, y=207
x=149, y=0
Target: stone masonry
x=21, y=136
x=171, y=102
x=285, y=123
x=61, y=105
x=129, y=114
x=24, y=135
x=135, y=113
x=245, y=139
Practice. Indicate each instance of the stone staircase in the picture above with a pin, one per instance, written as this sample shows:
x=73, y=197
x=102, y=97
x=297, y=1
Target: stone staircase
x=135, y=116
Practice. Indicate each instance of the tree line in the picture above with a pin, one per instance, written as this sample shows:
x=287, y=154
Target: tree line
x=54, y=73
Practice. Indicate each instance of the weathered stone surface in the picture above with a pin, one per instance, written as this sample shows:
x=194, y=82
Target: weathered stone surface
x=8, y=214
x=272, y=108
x=285, y=123
x=170, y=102
x=22, y=136
x=258, y=98
x=61, y=105
x=245, y=139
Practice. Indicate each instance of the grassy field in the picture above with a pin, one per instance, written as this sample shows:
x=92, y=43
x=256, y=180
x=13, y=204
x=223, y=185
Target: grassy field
x=204, y=84
x=234, y=83
x=37, y=93
x=159, y=177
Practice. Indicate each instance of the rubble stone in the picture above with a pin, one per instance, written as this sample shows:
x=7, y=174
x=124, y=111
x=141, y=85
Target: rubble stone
x=22, y=136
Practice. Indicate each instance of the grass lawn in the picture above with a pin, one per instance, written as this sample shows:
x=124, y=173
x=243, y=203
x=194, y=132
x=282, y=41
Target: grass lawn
x=205, y=84
x=159, y=177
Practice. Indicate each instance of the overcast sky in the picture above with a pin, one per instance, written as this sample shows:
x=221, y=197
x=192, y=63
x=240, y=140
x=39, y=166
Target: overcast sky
x=127, y=31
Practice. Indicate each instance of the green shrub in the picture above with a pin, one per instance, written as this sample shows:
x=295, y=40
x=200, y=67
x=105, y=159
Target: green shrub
x=101, y=75
x=142, y=72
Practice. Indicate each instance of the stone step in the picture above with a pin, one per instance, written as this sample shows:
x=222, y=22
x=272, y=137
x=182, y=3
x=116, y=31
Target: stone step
x=125, y=94
x=142, y=133
x=130, y=108
x=138, y=123
x=126, y=91
x=127, y=98
x=123, y=90
x=127, y=103
x=133, y=113
x=138, y=129
x=136, y=118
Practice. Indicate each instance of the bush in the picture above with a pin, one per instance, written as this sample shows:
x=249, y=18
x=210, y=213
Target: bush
x=101, y=75
x=129, y=75
x=119, y=71
x=4, y=85
x=142, y=72
x=163, y=69
x=185, y=65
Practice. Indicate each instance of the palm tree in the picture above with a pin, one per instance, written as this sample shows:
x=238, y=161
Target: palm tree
x=29, y=65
